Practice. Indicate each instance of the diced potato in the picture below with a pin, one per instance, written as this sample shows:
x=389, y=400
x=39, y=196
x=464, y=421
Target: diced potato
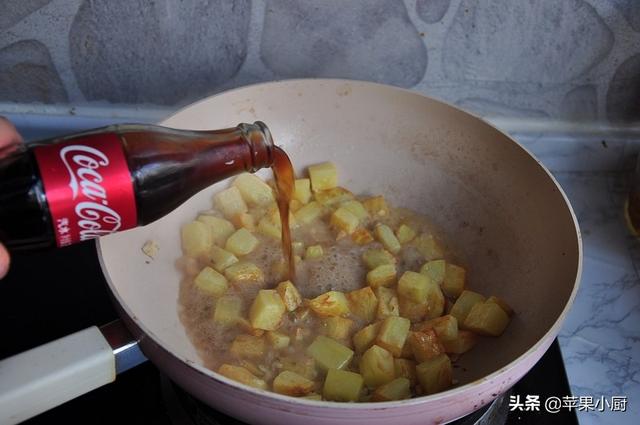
x=267, y=310
x=398, y=389
x=486, y=319
x=304, y=366
x=362, y=236
x=435, y=269
x=435, y=374
x=196, y=239
x=332, y=197
x=230, y=202
x=356, y=208
x=502, y=303
x=244, y=220
x=393, y=333
x=289, y=294
x=211, y=282
x=377, y=257
x=251, y=367
x=405, y=368
x=309, y=213
x=274, y=216
x=278, y=340
x=228, y=310
x=405, y=234
x=337, y=327
x=412, y=310
x=425, y=345
x=242, y=242
x=313, y=396
x=290, y=383
x=248, y=347
x=428, y=246
x=323, y=176
x=268, y=228
x=446, y=327
x=384, y=275
x=385, y=235
x=221, y=258
x=245, y=326
x=344, y=221
x=242, y=375
x=244, y=271
x=363, y=303
x=464, y=303
x=295, y=205
x=453, y=283
x=414, y=286
x=329, y=353
x=342, y=385
x=332, y=303
x=365, y=337
x=313, y=252
x=254, y=191
x=435, y=301
x=461, y=344
x=376, y=206
x=302, y=190
x=220, y=228
x=376, y=366
x=387, y=302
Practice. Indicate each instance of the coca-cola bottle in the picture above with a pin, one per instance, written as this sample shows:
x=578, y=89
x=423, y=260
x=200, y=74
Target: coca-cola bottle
x=69, y=189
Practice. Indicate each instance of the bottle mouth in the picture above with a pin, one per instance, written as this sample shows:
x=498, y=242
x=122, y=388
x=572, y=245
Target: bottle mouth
x=261, y=143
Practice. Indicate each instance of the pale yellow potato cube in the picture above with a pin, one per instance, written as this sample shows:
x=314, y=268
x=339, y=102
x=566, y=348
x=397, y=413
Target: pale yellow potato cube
x=363, y=303
x=435, y=374
x=304, y=366
x=414, y=286
x=244, y=220
x=323, y=176
x=412, y=310
x=462, y=343
x=274, y=216
x=211, y=282
x=486, y=318
x=221, y=258
x=268, y=228
x=342, y=385
x=393, y=333
x=502, y=303
x=254, y=191
x=302, y=191
x=313, y=252
x=248, y=347
x=242, y=375
x=244, y=272
x=292, y=384
x=376, y=206
x=242, y=242
x=220, y=228
x=278, y=340
x=425, y=345
x=289, y=294
x=377, y=257
x=366, y=337
x=332, y=303
x=398, y=389
x=464, y=303
x=342, y=219
x=334, y=196
x=384, y=275
x=405, y=369
x=376, y=366
x=453, y=282
x=228, y=310
x=337, y=327
x=329, y=353
x=309, y=213
x=230, y=202
x=267, y=310
x=387, y=302
x=362, y=236
x=385, y=235
x=435, y=269
x=435, y=301
x=196, y=239
x=405, y=234
x=356, y=208
x=428, y=246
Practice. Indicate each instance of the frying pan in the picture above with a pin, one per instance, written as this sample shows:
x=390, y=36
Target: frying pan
x=503, y=212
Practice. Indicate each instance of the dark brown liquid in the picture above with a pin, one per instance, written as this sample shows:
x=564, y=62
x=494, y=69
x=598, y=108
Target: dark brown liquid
x=283, y=174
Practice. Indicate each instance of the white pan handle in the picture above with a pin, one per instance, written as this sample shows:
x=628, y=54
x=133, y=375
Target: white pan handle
x=47, y=376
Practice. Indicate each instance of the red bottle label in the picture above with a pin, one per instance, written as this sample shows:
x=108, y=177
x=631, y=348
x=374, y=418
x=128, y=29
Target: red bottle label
x=88, y=187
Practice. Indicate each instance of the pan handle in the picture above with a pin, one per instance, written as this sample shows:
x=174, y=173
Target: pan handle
x=47, y=376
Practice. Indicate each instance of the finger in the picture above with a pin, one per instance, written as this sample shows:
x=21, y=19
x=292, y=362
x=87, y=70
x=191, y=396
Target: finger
x=4, y=261
x=8, y=133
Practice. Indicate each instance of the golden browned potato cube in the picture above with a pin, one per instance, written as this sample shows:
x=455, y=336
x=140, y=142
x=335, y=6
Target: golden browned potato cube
x=220, y=228
x=435, y=301
x=398, y=389
x=461, y=344
x=377, y=257
x=268, y=228
x=428, y=246
x=313, y=252
x=245, y=272
x=302, y=191
x=334, y=196
x=393, y=333
x=425, y=345
x=385, y=235
x=248, y=347
x=376, y=206
x=446, y=327
x=230, y=202
x=486, y=319
x=329, y=353
x=245, y=326
x=278, y=340
x=290, y=383
x=337, y=327
x=342, y=385
x=502, y=303
x=211, y=282
x=384, y=275
x=362, y=236
x=221, y=258
x=405, y=369
x=289, y=294
x=304, y=366
x=435, y=374
x=356, y=208
x=453, y=283
x=253, y=189
x=405, y=234
x=376, y=366
x=414, y=286
x=387, y=302
x=363, y=303
x=343, y=220
x=412, y=310
x=244, y=220
x=332, y=303
x=196, y=238
x=365, y=337
x=464, y=303
x=323, y=176
x=309, y=213
x=242, y=242
x=242, y=375
x=435, y=269
x=228, y=310
x=267, y=310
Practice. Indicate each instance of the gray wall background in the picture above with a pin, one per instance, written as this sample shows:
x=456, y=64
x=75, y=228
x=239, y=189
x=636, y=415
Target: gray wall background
x=574, y=60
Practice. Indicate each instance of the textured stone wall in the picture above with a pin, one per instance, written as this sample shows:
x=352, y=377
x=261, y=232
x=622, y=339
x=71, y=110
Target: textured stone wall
x=562, y=59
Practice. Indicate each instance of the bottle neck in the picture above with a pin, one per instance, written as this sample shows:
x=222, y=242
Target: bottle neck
x=260, y=141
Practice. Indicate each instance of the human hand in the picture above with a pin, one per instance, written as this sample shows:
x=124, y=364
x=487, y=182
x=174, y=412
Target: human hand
x=9, y=138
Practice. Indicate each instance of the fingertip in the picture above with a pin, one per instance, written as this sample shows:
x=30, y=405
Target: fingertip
x=4, y=261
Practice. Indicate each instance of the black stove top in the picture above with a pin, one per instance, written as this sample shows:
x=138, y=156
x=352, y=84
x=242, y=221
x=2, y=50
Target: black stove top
x=51, y=294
